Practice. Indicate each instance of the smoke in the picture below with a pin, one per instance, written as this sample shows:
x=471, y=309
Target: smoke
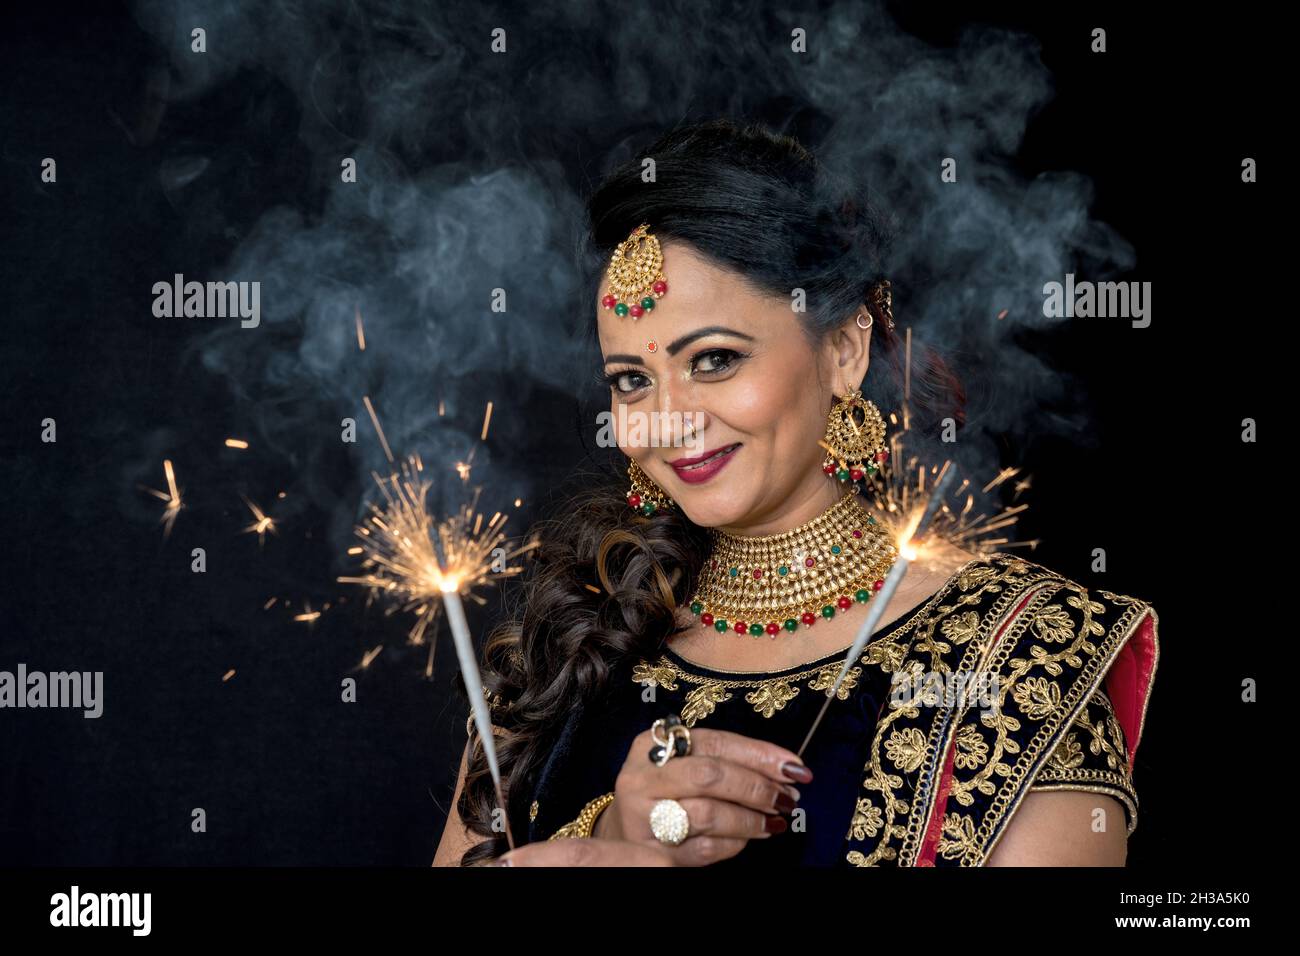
x=472, y=165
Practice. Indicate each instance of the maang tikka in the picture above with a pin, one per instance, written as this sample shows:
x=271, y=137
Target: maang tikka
x=635, y=277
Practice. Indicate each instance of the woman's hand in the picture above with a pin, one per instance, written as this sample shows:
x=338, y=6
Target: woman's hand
x=732, y=788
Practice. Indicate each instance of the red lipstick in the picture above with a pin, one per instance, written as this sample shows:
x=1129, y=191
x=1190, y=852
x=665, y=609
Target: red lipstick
x=703, y=467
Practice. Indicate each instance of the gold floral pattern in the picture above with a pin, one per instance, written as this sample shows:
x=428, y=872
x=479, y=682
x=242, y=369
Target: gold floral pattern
x=1093, y=756
x=767, y=695
x=1049, y=642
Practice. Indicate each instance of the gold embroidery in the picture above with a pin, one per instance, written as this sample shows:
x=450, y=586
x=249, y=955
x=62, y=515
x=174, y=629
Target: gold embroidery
x=1101, y=767
x=1039, y=699
x=532, y=811
x=1002, y=577
x=701, y=702
x=767, y=695
x=772, y=696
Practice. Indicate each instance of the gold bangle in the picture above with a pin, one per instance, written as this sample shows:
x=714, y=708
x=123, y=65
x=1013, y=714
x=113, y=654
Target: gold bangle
x=582, y=827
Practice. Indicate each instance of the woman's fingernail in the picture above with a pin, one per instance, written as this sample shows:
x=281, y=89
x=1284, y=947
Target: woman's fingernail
x=793, y=791
x=784, y=804
x=796, y=771
x=775, y=824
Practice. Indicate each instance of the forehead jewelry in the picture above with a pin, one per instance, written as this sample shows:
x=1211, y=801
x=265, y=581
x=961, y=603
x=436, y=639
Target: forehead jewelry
x=652, y=346
x=635, y=277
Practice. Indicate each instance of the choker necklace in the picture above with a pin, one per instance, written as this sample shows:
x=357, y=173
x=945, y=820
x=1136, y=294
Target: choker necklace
x=759, y=585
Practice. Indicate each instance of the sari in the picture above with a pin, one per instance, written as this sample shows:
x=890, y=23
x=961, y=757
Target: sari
x=906, y=772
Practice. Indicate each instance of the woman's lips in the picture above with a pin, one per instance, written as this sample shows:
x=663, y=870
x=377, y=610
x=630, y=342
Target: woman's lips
x=695, y=470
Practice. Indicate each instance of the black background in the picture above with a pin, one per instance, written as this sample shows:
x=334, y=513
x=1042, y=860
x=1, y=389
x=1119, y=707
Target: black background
x=286, y=773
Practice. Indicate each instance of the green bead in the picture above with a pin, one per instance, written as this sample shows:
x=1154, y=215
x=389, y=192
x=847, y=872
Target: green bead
x=648, y=508
x=871, y=469
x=620, y=309
x=861, y=595
x=828, y=611
x=783, y=570
x=697, y=607
x=870, y=520
x=756, y=630
x=648, y=303
x=842, y=474
x=835, y=549
x=734, y=572
x=791, y=624
x=719, y=625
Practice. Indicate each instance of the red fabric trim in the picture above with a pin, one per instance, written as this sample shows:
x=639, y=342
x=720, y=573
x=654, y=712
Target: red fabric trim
x=1128, y=681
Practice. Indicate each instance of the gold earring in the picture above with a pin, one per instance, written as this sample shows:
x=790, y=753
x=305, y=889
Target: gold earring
x=855, y=438
x=645, y=495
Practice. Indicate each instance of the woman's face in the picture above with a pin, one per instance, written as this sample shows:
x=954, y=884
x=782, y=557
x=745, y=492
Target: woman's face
x=739, y=393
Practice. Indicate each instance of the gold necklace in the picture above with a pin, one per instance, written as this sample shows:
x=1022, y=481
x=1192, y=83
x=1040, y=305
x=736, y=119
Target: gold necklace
x=759, y=585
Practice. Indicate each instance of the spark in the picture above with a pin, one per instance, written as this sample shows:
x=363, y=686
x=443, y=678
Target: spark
x=261, y=522
x=361, y=331
x=487, y=420
x=388, y=452
x=172, y=496
x=413, y=559
x=236, y=443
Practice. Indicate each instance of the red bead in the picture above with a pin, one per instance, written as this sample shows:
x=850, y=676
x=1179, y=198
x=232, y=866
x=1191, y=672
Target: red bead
x=857, y=534
x=878, y=585
x=609, y=302
x=845, y=603
x=808, y=617
x=829, y=469
x=706, y=619
x=635, y=311
x=660, y=287
x=857, y=474
x=808, y=562
x=713, y=563
x=758, y=572
x=742, y=627
x=634, y=501
x=882, y=456
x=773, y=627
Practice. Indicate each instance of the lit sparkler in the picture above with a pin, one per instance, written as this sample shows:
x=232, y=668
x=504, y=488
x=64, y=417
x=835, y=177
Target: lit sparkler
x=401, y=543
x=421, y=565
x=909, y=550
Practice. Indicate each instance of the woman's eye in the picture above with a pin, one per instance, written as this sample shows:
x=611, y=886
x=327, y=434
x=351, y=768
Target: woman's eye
x=714, y=360
x=626, y=381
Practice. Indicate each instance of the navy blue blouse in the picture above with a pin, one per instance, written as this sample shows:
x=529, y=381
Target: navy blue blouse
x=776, y=706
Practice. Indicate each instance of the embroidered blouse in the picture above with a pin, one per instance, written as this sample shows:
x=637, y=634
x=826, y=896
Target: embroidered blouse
x=920, y=780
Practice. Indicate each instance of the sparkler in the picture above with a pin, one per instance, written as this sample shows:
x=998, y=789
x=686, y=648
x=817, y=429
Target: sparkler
x=908, y=551
x=423, y=565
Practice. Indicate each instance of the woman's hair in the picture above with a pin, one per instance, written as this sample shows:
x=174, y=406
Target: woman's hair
x=606, y=581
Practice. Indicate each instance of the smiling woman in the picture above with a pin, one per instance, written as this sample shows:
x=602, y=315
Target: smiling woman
x=670, y=656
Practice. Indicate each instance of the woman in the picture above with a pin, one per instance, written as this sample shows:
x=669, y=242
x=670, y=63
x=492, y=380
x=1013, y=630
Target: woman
x=636, y=726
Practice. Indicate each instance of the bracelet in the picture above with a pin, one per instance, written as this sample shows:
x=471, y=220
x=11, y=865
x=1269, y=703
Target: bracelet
x=586, y=822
